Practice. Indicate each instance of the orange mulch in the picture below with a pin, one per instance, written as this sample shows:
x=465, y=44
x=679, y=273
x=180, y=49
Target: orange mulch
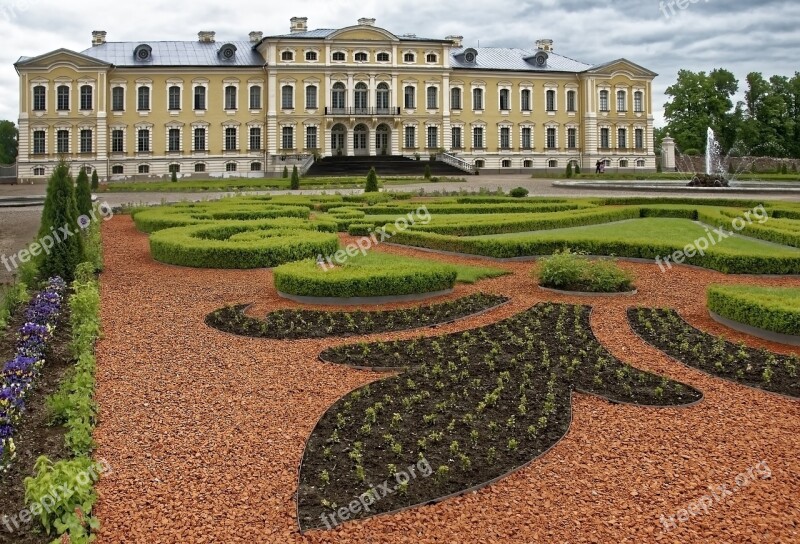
x=204, y=431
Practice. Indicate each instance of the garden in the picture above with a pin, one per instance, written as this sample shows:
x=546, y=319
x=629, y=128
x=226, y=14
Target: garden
x=393, y=367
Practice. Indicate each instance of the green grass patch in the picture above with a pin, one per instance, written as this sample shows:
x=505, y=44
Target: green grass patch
x=775, y=309
x=250, y=184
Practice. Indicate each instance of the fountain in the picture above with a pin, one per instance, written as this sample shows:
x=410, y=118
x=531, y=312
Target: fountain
x=715, y=175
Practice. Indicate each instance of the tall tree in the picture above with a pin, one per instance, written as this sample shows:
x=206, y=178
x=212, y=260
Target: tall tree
x=8, y=142
x=60, y=227
x=83, y=194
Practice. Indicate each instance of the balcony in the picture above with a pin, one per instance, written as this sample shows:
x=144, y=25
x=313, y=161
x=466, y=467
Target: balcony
x=367, y=112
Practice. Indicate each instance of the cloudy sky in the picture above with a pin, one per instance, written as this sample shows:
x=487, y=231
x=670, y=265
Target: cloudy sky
x=740, y=35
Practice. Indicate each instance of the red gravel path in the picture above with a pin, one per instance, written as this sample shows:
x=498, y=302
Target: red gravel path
x=205, y=430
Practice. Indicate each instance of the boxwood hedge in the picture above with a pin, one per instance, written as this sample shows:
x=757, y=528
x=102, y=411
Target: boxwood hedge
x=774, y=309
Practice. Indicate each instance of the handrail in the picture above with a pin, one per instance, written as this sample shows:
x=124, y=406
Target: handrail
x=306, y=165
x=452, y=160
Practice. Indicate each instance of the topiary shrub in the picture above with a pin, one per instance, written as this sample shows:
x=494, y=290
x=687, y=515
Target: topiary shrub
x=95, y=181
x=372, y=182
x=577, y=169
x=295, y=183
x=60, y=212
x=83, y=194
x=285, y=172
x=518, y=192
x=174, y=177
x=427, y=173
x=569, y=169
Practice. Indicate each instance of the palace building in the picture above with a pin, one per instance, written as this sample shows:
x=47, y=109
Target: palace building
x=215, y=108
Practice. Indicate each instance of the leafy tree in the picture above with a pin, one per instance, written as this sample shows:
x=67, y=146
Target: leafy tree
x=95, y=181
x=285, y=172
x=59, y=217
x=83, y=194
x=8, y=142
x=295, y=183
x=577, y=169
x=372, y=182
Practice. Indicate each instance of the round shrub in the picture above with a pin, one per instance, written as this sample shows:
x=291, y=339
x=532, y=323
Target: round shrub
x=518, y=192
x=574, y=272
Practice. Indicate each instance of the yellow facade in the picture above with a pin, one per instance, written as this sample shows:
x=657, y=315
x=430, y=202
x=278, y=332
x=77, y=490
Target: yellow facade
x=354, y=91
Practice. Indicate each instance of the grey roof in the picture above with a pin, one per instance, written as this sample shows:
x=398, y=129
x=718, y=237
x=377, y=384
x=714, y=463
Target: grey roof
x=187, y=53
x=325, y=32
x=501, y=58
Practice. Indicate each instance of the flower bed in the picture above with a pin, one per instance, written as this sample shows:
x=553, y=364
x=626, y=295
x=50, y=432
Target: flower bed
x=474, y=405
x=318, y=324
x=667, y=331
x=20, y=374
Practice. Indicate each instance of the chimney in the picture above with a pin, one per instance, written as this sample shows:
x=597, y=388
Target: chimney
x=98, y=37
x=544, y=45
x=256, y=36
x=206, y=36
x=366, y=21
x=457, y=40
x=298, y=24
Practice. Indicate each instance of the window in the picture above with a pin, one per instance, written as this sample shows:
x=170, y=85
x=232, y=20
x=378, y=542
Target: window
x=525, y=100
x=361, y=96
x=504, y=101
x=526, y=138
x=311, y=97
x=638, y=137
x=255, y=97
x=287, y=97
x=360, y=57
x=117, y=169
x=62, y=98
x=86, y=141
x=551, y=100
x=255, y=138
x=230, y=139
x=603, y=100
x=230, y=97
x=527, y=163
x=144, y=168
x=310, y=56
x=433, y=98
x=572, y=138
x=605, y=138
x=255, y=167
x=623, y=163
x=338, y=56
x=408, y=57
x=383, y=57
x=505, y=138
x=86, y=97
x=477, y=137
x=621, y=105
x=176, y=168
x=199, y=139
x=118, y=99
x=622, y=138
x=552, y=163
x=230, y=167
x=411, y=137
x=571, y=104
x=455, y=137
x=479, y=163
x=382, y=96
x=143, y=140
x=38, y=141
x=433, y=137
x=117, y=141
x=638, y=101
x=174, y=139
x=311, y=138
x=409, y=96
x=431, y=57
x=455, y=98
x=338, y=94
x=200, y=167
x=143, y=103
x=551, y=138
x=640, y=162
x=287, y=56
x=506, y=163
x=199, y=98
x=287, y=138
x=39, y=100
x=62, y=141
x=38, y=171
x=477, y=99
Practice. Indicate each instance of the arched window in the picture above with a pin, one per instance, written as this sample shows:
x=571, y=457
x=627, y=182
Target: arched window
x=230, y=167
x=551, y=100
x=62, y=98
x=433, y=98
x=338, y=96
x=382, y=97
x=360, y=57
x=431, y=57
x=310, y=56
x=199, y=97
x=255, y=167
x=408, y=96
x=174, y=97
x=287, y=56
x=287, y=97
x=144, y=168
x=638, y=101
x=311, y=97
x=604, y=100
x=383, y=57
x=230, y=97
x=477, y=99
x=504, y=101
x=571, y=101
x=525, y=100
x=39, y=100
x=506, y=163
x=255, y=97
x=552, y=163
x=455, y=98
x=176, y=168
x=408, y=57
x=117, y=169
x=86, y=97
x=118, y=99
x=200, y=167
x=623, y=163
x=622, y=101
x=361, y=96
x=143, y=99
x=338, y=56
x=527, y=163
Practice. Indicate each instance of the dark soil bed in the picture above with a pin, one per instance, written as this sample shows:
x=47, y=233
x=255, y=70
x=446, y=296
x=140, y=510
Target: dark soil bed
x=667, y=331
x=469, y=408
x=285, y=324
x=33, y=436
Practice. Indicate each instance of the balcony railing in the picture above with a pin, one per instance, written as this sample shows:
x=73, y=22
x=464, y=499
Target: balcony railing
x=363, y=111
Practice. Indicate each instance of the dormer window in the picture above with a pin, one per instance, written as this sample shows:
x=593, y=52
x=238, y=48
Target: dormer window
x=143, y=52
x=470, y=55
x=227, y=51
x=287, y=56
x=360, y=57
x=338, y=56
